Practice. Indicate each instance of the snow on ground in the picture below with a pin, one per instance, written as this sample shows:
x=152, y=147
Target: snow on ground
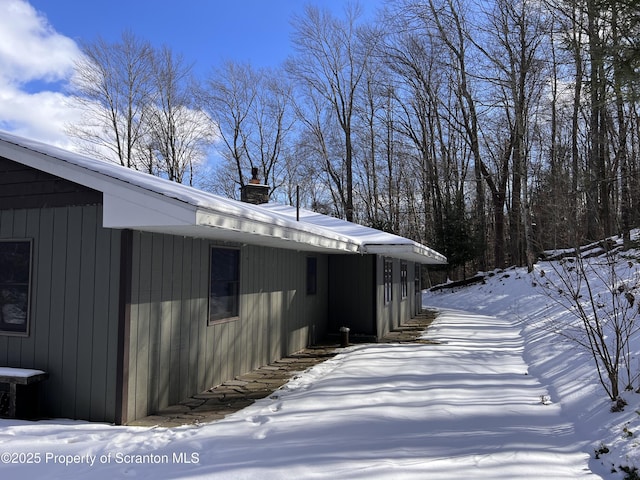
x=464, y=406
x=495, y=396
x=565, y=369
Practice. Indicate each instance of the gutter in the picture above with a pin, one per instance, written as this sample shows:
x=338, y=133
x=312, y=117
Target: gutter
x=282, y=230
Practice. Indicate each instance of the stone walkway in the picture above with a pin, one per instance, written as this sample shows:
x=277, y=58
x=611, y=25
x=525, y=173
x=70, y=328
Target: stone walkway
x=233, y=395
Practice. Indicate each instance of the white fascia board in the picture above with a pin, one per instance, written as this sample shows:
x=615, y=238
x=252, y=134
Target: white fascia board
x=414, y=252
x=270, y=226
x=137, y=211
x=370, y=240
x=142, y=211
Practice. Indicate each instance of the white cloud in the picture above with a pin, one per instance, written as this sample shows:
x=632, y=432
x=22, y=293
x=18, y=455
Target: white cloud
x=41, y=116
x=32, y=51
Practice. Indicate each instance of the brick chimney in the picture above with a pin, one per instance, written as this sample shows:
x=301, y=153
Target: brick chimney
x=254, y=192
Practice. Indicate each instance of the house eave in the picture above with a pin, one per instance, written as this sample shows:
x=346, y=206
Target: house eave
x=412, y=252
x=176, y=218
x=273, y=231
x=138, y=201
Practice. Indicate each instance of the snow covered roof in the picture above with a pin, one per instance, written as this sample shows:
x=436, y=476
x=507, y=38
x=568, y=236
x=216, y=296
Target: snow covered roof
x=140, y=201
x=369, y=239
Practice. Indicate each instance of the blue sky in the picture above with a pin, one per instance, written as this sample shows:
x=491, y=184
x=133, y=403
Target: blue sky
x=39, y=40
x=206, y=31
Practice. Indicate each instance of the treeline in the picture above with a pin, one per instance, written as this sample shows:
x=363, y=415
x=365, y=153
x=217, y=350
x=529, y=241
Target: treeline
x=487, y=130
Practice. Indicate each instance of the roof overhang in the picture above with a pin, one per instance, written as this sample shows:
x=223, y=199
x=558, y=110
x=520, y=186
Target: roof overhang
x=413, y=252
x=136, y=200
x=369, y=240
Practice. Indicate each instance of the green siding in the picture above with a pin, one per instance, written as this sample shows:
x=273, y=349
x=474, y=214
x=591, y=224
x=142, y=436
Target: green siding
x=73, y=316
x=352, y=292
x=393, y=314
x=356, y=296
x=174, y=353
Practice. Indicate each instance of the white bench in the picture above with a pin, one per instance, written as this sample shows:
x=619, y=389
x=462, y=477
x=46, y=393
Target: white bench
x=19, y=376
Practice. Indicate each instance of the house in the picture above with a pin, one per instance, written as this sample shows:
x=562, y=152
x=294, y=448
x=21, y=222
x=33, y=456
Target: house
x=134, y=292
x=376, y=291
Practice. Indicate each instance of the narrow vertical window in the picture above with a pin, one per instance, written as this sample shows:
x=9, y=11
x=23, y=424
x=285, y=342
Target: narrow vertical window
x=312, y=275
x=15, y=284
x=224, y=288
x=388, y=280
x=404, y=279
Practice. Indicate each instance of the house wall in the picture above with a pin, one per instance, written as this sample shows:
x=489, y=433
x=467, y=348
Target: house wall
x=352, y=294
x=73, y=329
x=174, y=353
x=356, y=295
x=408, y=308
x=417, y=290
x=120, y=347
x=393, y=314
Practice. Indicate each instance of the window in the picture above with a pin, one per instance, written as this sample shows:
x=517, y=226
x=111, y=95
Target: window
x=15, y=281
x=312, y=275
x=224, y=289
x=388, y=280
x=404, y=279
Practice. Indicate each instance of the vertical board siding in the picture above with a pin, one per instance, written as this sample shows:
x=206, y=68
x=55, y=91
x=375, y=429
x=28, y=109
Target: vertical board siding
x=185, y=319
x=175, y=340
x=399, y=310
x=104, y=348
x=352, y=296
x=57, y=312
x=87, y=296
x=71, y=300
x=41, y=293
x=387, y=312
x=174, y=353
x=166, y=315
x=73, y=310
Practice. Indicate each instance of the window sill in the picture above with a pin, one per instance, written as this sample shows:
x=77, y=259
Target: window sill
x=222, y=320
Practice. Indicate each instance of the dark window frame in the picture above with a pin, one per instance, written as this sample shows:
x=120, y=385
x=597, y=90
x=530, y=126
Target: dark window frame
x=228, y=281
x=388, y=280
x=312, y=275
x=404, y=279
x=15, y=291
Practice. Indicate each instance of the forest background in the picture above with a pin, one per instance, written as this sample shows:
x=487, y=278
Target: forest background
x=488, y=130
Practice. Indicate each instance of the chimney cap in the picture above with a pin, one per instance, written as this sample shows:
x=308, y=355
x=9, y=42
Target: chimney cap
x=254, y=176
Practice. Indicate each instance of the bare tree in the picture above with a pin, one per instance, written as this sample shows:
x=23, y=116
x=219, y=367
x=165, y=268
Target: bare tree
x=513, y=50
x=374, y=132
x=254, y=114
x=228, y=96
x=113, y=85
x=329, y=65
x=414, y=60
x=270, y=121
x=318, y=144
x=178, y=132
